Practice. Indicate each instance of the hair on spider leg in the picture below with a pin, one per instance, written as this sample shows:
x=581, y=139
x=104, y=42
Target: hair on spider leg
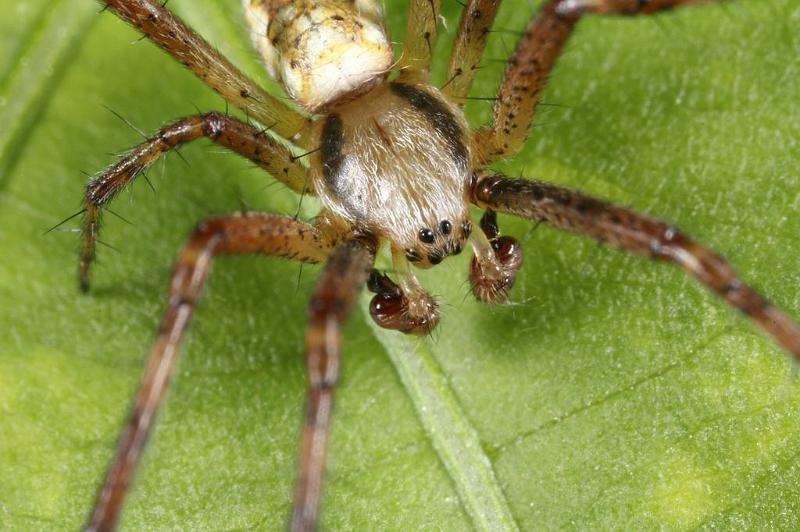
x=264, y=129
x=467, y=292
x=126, y=121
x=109, y=246
x=65, y=220
x=196, y=107
x=117, y=215
x=299, y=205
x=452, y=78
x=162, y=168
x=296, y=157
x=299, y=278
x=244, y=208
x=146, y=180
x=270, y=184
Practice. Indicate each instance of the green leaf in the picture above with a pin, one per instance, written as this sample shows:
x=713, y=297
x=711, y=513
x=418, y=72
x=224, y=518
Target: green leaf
x=612, y=392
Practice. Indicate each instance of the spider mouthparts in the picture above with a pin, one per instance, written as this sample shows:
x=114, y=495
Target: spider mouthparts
x=491, y=282
x=392, y=309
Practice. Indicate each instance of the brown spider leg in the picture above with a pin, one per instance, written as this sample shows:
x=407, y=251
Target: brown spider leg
x=232, y=235
x=345, y=273
x=636, y=233
x=415, y=63
x=244, y=139
x=181, y=42
x=532, y=62
x=473, y=31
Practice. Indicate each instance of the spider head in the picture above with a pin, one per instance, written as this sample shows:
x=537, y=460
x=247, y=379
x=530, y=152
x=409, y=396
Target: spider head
x=322, y=52
x=433, y=244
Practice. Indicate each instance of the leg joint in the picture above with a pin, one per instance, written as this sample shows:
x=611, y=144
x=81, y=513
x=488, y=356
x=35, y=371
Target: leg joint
x=214, y=124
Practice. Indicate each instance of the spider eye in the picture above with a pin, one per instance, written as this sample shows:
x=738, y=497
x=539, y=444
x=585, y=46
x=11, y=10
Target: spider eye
x=412, y=255
x=466, y=229
x=426, y=235
x=446, y=227
x=434, y=259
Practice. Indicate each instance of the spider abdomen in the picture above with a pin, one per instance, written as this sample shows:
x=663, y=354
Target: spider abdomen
x=397, y=162
x=321, y=50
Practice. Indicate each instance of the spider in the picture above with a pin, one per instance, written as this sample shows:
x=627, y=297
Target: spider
x=394, y=161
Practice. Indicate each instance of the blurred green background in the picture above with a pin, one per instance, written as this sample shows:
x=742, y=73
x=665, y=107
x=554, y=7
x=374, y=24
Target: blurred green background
x=612, y=392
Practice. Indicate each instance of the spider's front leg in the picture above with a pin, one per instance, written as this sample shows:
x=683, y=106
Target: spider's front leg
x=181, y=42
x=635, y=233
x=232, y=235
x=533, y=61
x=251, y=142
x=345, y=273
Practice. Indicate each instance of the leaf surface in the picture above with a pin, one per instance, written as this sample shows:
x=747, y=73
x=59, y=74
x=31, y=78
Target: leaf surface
x=612, y=393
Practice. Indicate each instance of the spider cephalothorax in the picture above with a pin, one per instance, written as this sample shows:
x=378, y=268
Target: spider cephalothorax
x=397, y=162
x=394, y=162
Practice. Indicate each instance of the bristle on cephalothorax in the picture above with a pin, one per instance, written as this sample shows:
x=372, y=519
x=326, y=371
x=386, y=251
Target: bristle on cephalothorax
x=321, y=51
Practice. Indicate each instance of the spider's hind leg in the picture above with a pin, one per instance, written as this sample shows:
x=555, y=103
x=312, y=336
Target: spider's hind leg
x=496, y=262
x=246, y=140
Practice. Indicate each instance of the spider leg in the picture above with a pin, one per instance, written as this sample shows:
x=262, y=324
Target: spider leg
x=244, y=139
x=473, y=31
x=415, y=63
x=173, y=36
x=636, y=233
x=345, y=273
x=534, y=59
x=231, y=235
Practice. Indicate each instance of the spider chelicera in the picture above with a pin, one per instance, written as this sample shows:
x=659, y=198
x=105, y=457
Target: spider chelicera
x=394, y=161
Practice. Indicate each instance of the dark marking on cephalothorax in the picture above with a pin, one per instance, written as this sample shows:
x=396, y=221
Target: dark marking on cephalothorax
x=439, y=117
x=331, y=142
